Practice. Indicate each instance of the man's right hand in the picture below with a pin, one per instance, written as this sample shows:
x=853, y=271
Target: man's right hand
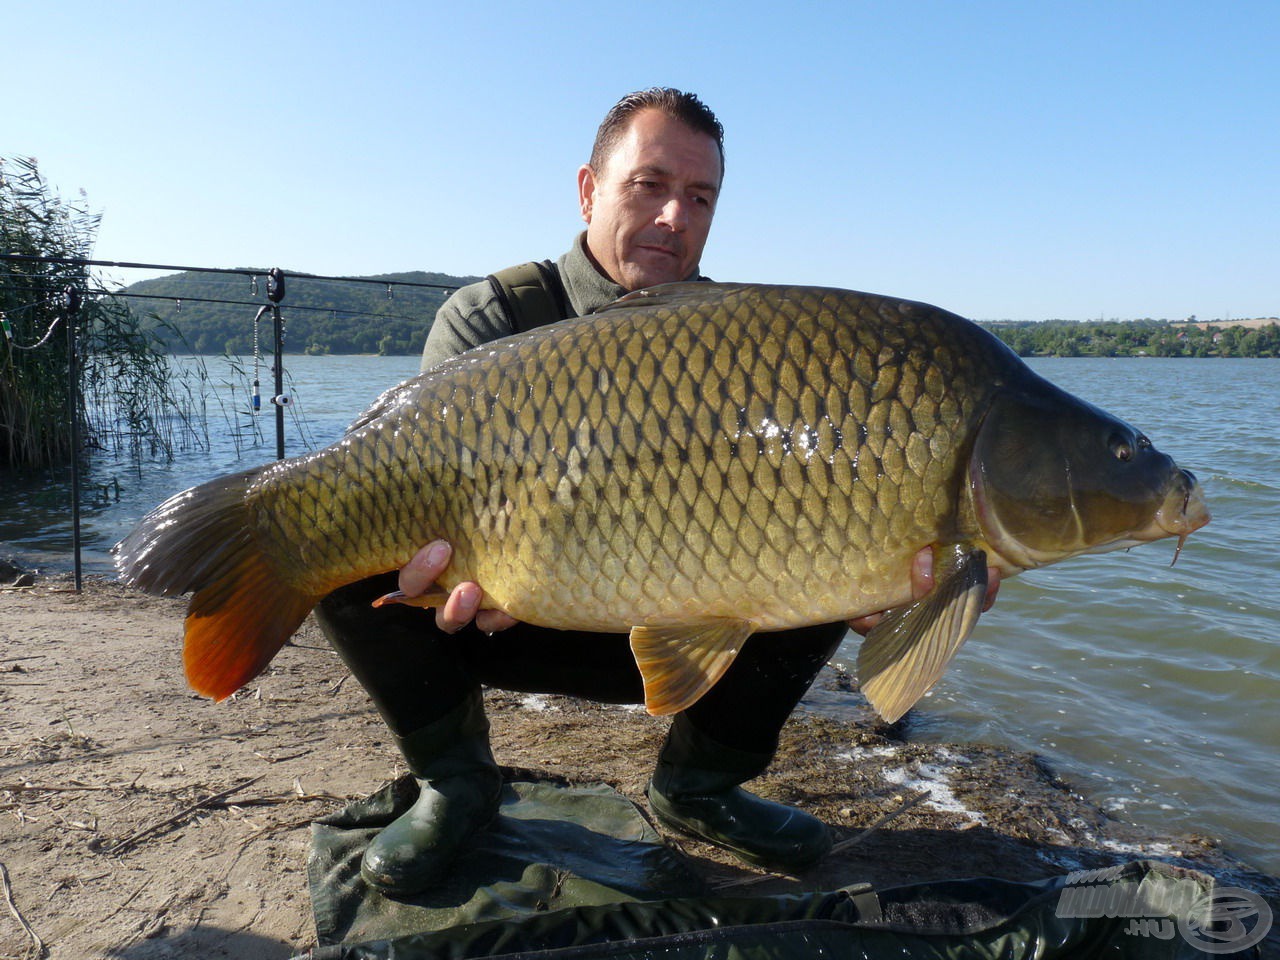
x=921, y=584
x=420, y=574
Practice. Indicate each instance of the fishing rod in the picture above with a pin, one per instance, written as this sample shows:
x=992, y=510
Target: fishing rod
x=250, y=272
x=179, y=300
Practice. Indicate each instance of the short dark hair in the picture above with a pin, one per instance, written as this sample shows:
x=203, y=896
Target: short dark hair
x=677, y=105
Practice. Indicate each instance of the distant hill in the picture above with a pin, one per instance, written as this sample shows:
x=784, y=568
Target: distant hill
x=321, y=316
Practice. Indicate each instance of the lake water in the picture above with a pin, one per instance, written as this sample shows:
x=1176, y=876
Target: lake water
x=1156, y=688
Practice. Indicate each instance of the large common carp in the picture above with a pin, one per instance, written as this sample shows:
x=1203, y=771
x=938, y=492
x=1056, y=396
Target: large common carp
x=693, y=463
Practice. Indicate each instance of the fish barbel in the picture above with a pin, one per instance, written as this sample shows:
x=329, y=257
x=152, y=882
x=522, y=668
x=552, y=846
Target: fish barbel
x=693, y=464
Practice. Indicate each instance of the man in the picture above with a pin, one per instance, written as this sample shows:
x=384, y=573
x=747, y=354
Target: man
x=648, y=196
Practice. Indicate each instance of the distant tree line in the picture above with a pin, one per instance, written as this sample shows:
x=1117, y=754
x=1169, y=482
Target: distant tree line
x=326, y=316
x=1136, y=338
x=321, y=316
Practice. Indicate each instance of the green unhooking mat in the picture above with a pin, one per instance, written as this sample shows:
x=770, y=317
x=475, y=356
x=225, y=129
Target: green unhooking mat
x=577, y=872
x=550, y=847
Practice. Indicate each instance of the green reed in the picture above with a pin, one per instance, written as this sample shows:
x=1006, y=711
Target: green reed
x=130, y=402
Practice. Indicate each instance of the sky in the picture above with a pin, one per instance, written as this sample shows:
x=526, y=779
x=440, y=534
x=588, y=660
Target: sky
x=1004, y=160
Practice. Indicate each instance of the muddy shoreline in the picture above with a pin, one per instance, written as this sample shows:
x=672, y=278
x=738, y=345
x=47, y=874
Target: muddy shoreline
x=138, y=820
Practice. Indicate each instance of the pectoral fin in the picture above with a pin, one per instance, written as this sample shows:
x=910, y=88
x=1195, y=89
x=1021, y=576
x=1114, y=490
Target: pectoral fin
x=680, y=663
x=911, y=647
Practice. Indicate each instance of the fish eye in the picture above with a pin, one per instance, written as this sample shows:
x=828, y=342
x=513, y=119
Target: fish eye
x=1122, y=449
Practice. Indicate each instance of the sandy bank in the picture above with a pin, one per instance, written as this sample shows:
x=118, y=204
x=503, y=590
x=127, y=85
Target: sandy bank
x=101, y=744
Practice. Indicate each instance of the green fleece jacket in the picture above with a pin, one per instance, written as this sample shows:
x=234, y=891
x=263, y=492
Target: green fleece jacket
x=473, y=315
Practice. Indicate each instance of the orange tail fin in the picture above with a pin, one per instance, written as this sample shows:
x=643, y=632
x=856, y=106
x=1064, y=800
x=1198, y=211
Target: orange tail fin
x=242, y=610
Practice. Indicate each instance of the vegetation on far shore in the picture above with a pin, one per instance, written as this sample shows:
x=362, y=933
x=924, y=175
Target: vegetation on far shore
x=326, y=316
x=1140, y=338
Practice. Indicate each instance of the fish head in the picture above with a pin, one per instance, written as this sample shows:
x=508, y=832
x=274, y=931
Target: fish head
x=1052, y=476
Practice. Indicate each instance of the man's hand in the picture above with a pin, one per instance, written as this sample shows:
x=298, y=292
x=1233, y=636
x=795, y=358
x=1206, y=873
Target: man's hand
x=419, y=574
x=922, y=583
x=463, y=605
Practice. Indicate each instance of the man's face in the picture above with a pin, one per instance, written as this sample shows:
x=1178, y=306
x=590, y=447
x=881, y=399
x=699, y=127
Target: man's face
x=649, y=210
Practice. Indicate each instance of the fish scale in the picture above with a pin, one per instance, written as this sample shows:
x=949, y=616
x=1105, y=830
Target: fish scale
x=697, y=489
x=692, y=463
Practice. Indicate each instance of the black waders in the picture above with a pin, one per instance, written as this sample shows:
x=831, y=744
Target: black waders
x=695, y=789
x=426, y=686
x=436, y=715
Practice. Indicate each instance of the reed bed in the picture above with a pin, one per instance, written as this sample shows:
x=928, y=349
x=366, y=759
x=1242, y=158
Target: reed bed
x=130, y=401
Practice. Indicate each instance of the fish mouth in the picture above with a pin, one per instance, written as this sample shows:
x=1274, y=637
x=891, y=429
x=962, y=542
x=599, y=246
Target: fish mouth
x=1181, y=514
x=1184, y=510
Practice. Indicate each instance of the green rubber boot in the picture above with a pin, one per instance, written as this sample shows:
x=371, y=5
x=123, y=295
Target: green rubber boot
x=459, y=784
x=695, y=789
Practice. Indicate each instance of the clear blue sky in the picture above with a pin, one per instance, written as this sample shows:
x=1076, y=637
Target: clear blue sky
x=1006, y=160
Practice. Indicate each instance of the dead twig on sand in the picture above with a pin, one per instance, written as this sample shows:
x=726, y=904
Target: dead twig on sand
x=134, y=838
x=280, y=798
x=38, y=949
x=902, y=808
x=270, y=828
x=61, y=788
x=291, y=756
